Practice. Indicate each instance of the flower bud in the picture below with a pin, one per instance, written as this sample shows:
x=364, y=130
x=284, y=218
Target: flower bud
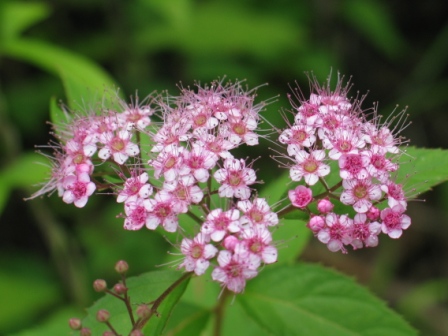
x=99, y=285
x=325, y=206
x=136, y=333
x=85, y=332
x=74, y=323
x=143, y=311
x=102, y=315
x=373, y=213
x=119, y=288
x=121, y=267
x=316, y=224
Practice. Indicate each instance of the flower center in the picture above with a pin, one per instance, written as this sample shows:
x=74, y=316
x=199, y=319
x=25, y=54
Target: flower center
x=234, y=179
x=196, y=251
x=360, y=191
x=162, y=211
x=310, y=166
x=79, y=189
x=256, y=247
x=256, y=215
x=170, y=162
x=200, y=120
x=239, y=129
x=299, y=135
x=117, y=144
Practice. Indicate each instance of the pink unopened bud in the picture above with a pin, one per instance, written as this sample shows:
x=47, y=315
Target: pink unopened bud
x=136, y=333
x=143, y=311
x=109, y=333
x=102, y=315
x=119, y=288
x=85, y=332
x=121, y=267
x=74, y=323
x=373, y=213
x=325, y=206
x=99, y=285
x=230, y=242
x=316, y=224
x=301, y=196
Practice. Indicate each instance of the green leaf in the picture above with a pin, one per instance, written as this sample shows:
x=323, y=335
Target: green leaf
x=142, y=289
x=372, y=19
x=292, y=236
x=15, y=17
x=29, y=289
x=187, y=319
x=311, y=300
x=83, y=79
x=422, y=169
x=56, y=324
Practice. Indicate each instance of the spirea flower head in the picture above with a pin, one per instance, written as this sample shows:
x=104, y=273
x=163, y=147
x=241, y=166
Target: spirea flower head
x=346, y=154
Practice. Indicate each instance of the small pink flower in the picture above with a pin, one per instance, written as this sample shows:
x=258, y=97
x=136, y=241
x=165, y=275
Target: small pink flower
x=337, y=233
x=119, y=147
x=235, y=178
x=162, y=210
x=360, y=193
x=297, y=137
x=353, y=166
x=394, y=221
x=309, y=166
x=364, y=233
x=235, y=269
x=136, y=215
x=219, y=223
x=395, y=194
x=197, y=254
x=257, y=212
x=199, y=161
x=257, y=240
x=301, y=196
x=77, y=189
x=135, y=187
x=184, y=191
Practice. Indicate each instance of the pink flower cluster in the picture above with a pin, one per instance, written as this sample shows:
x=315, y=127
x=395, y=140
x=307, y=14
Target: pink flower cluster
x=331, y=127
x=179, y=163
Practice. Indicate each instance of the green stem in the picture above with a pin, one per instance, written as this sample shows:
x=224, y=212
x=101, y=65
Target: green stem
x=219, y=313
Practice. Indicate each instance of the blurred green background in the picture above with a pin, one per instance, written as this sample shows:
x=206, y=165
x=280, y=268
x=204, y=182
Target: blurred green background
x=50, y=252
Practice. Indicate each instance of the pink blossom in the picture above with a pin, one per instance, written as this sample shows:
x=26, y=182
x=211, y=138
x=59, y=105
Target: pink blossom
x=220, y=222
x=337, y=233
x=394, y=221
x=184, y=191
x=169, y=163
x=257, y=240
x=364, y=233
x=309, y=166
x=234, y=269
x=136, y=215
x=353, y=166
x=301, y=196
x=235, y=178
x=119, y=147
x=257, y=212
x=197, y=253
x=77, y=189
x=395, y=194
x=343, y=142
x=360, y=193
x=199, y=161
x=135, y=187
x=162, y=210
x=297, y=137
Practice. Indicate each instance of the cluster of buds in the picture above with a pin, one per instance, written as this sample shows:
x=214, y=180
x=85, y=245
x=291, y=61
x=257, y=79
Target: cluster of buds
x=119, y=292
x=331, y=127
x=179, y=162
